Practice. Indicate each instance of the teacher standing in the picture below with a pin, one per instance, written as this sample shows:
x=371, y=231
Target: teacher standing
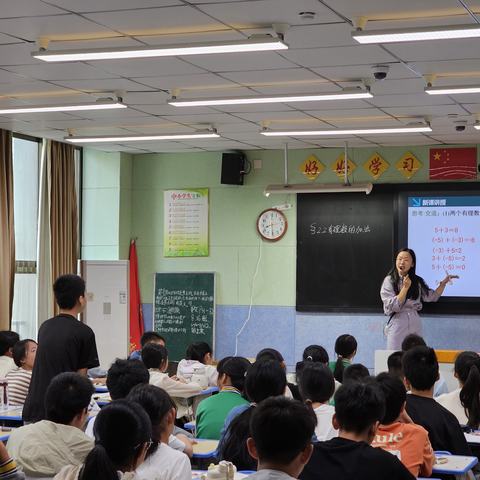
x=403, y=293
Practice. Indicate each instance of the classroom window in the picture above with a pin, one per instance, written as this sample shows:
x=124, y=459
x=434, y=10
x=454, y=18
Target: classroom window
x=25, y=185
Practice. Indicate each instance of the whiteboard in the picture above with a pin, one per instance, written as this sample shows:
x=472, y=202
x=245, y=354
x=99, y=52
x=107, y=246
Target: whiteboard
x=107, y=312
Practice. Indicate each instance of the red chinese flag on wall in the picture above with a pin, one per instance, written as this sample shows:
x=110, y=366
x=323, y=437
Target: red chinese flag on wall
x=453, y=163
x=136, y=315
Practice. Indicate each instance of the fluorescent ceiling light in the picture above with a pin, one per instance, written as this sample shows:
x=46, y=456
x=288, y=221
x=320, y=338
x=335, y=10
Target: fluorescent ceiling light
x=453, y=90
x=357, y=131
x=417, y=34
x=141, y=138
x=312, y=188
x=477, y=126
x=254, y=44
x=99, y=105
x=301, y=97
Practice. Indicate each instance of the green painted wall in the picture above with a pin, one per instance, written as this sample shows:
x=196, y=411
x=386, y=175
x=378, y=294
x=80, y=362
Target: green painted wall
x=234, y=243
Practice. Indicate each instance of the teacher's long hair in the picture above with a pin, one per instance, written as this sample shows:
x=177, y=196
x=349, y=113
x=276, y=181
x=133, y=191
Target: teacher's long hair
x=418, y=283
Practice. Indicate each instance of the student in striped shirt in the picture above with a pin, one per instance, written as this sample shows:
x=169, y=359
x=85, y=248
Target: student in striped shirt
x=19, y=379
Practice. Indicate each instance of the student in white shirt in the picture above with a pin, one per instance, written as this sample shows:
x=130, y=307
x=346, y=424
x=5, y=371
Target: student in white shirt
x=464, y=402
x=198, y=358
x=316, y=387
x=281, y=433
x=122, y=439
x=162, y=462
x=19, y=379
x=155, y=358
x=7, y=340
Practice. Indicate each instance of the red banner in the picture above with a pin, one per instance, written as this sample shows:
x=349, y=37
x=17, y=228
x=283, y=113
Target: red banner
x=136, y=314
x=453, y=163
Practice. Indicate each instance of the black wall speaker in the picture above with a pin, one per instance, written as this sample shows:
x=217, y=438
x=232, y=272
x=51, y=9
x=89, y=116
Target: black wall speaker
x=233, y=168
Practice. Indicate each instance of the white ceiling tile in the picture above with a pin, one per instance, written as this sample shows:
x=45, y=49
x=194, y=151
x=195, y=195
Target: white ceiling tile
x=334, y=105
x=401, y=86
x=272, y=77
x=103, y=85
x=32, y=89
x=17, y=54
x=9, y=77
x=123, y=114
x=85, y=6
x=266, y=12
x=440, y=110
x=335, y=56
x=403, y=141
x=289, y=117
x=318, y=36
x=226, y=62
x=211, y=118
x=272, y=107
x=60, y=71
x=352, y=142
x=27, y=8
x=195, y=37
x=164, y=109
x=320, y=86
x=345, y=73
x=27, y=117
x=455, y=68
x=113, y=41
x=193, y=82
x=454, y=138
x=144, y=67
x=245, y=127
x=151, y=21
x=472, y=107
x=161, y=127
x=7, y=39
x=54, y=27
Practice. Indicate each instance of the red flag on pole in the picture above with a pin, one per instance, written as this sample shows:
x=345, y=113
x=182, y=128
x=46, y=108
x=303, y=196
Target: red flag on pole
x=136, y=314
x=453, y=163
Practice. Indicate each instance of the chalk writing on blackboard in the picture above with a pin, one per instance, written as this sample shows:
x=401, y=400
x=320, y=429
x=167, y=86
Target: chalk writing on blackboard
x=339, y=229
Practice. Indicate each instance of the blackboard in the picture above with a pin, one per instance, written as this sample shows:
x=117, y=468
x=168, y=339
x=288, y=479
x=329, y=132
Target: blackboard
x=184, y=310
x=345, y=245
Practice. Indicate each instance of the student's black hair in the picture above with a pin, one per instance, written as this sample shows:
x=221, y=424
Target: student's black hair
x=67, y=289
x=197, y=351
x=236, y=368
x=420, y=367
x=394, y=364
x=313, y=353
x=356, y=373
x=395, y=396
x=154, y=355
x=157, y=403
x=265, y=378
x=121, y=429
x=123, y=375
x=316, y=382
x=67, y=395
x=358, y=406
x=412, y=340
x=281, y=428
x=269, y=354
x=467, y=368
x=345, y=347
x=418, y=283
x=8, y=339
x=19, y=351
x=148, y=337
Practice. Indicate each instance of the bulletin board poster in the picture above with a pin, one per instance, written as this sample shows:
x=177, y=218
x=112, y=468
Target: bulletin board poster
x=186, y=223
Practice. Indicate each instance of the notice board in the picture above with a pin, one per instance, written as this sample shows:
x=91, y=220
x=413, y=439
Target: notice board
x=345, y=245
x=184, y=310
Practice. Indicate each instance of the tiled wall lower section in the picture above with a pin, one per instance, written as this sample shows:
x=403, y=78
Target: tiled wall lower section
x=290, y=332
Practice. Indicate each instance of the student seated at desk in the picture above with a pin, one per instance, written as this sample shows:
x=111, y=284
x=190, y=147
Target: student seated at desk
x=147, y=337
x=397, y=433
x=122, y=439
x=356, y=372
x=316, y=387
x=345, y=349
x=42, y=449
x=414, y=340
x=7, y=341
x=464, y=402
x=212, y=411
x=358, y=409
x=199, y=358
x=264, y=379
x=420, y=366
x=162, y=462
x=280, y=456
x=394, y=365
x=19, y=380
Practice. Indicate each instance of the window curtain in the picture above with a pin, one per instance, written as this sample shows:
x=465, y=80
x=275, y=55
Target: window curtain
x=63, y=209
x=7, y=231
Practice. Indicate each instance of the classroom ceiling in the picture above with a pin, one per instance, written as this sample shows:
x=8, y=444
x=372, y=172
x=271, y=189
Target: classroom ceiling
x=322, y=57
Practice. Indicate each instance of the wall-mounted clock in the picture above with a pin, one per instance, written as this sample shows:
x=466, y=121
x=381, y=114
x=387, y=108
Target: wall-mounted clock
x=272, y=224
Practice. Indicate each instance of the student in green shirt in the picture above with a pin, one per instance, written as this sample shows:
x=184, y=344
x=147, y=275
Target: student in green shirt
x=212, y=411
x=345, y=348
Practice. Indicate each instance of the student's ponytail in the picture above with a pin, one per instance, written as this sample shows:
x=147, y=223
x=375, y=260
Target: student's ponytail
x=345, y=348
x=470, y=395
x=98, y=465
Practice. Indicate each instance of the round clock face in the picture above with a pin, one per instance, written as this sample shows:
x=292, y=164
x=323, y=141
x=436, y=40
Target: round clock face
x=272, y=224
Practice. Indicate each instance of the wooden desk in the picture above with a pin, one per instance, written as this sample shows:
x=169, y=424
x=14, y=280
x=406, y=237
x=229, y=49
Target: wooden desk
x=205, y=448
